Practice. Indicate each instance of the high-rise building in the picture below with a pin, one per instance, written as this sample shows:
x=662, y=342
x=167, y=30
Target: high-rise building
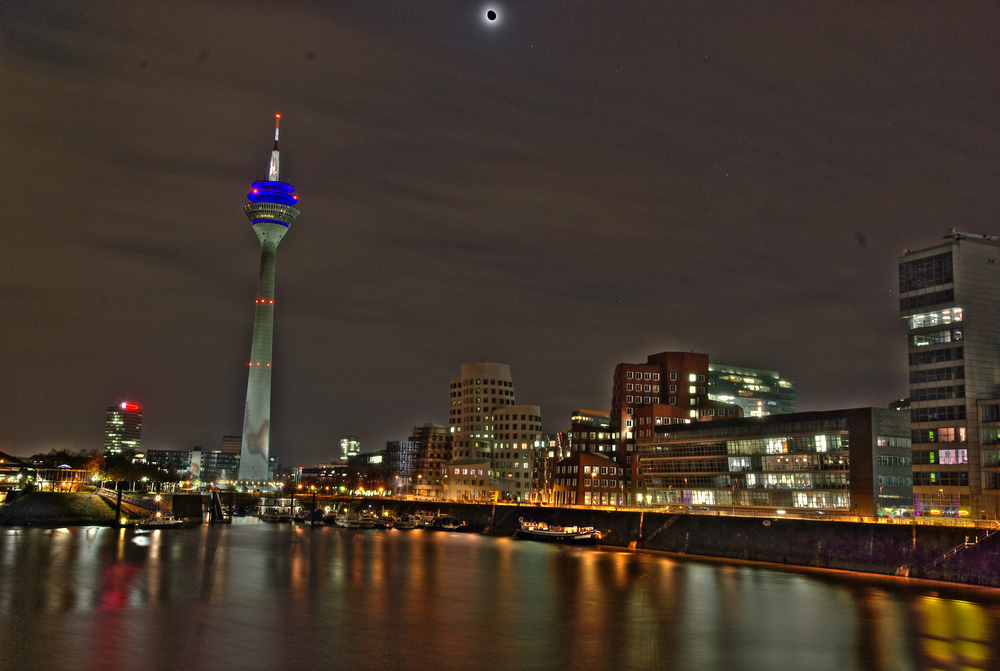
x=123, y=428
x=949, y=295
x=479, y=390
x=350, y=446
x=758, y=392
x=271, y=211
x=486, y=423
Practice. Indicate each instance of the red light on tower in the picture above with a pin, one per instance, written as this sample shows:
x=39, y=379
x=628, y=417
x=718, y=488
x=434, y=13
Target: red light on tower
x=131, y=407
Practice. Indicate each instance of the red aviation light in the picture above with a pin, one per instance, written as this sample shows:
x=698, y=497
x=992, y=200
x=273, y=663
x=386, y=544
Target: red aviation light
x=131, y=407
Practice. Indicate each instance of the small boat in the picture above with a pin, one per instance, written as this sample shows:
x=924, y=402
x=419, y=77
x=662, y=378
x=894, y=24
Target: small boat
x=425, y=520
x=406, y=523
x=540, y=531
x=159, y=521
x=384, y=522
x=447, y=523
x=349, y=520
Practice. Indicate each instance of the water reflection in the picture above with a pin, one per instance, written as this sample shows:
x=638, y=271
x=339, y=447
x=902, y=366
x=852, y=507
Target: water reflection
x=256, y=596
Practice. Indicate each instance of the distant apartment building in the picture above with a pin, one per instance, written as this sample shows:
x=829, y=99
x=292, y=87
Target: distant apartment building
x=673, y=386
x=758, y=392
x=123, y=429
x=949, y=296
x=854, y=462
x=350, y=446
x=434, y=449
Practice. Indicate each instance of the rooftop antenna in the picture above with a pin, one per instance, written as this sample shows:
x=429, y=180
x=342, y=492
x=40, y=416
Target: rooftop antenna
x=272, y=173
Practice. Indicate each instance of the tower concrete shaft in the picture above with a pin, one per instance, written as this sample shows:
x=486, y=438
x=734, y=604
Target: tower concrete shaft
x=270, y=212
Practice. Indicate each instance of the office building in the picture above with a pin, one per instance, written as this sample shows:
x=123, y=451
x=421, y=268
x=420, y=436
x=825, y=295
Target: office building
x=852, y=462
x=474, y=395
x=219, y=466
x=517, y=430
x=123, y=429
x=172, y=461
x=271, y=211
x=674, y=386
x=757, y=392
x=949, y=295
x=350, y=446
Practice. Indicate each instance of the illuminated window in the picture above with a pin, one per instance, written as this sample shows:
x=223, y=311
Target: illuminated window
x=692, y=377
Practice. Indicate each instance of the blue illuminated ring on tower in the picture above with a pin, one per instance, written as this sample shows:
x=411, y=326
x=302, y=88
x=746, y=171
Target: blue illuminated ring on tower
x=272, y=192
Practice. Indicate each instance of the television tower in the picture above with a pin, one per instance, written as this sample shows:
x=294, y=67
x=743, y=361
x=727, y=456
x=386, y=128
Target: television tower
x=271, y=211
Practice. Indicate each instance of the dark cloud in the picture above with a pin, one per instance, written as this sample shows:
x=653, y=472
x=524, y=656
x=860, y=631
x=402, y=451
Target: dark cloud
x=583, y=185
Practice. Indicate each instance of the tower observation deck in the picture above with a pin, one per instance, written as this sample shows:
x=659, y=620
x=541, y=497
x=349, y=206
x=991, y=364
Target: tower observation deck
x=271, y=211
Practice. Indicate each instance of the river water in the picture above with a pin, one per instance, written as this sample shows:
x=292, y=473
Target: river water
x=266, y=596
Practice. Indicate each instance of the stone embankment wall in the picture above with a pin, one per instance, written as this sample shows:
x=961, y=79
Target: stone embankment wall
x=887, y=549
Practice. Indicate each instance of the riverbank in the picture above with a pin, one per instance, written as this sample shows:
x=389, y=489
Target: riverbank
x=57, y=508
x=878, y=549
x=882, y=549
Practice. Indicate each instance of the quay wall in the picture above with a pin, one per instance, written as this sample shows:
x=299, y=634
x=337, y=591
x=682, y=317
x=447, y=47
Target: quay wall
x=886, y=549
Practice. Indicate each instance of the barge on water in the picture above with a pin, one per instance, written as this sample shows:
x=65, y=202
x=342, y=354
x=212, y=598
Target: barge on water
x=540, y=531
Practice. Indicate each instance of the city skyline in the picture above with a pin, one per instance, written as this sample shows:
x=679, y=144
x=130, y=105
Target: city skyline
x=570, y=189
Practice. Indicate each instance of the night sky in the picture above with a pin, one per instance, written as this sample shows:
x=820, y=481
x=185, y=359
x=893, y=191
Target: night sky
x=574, y=185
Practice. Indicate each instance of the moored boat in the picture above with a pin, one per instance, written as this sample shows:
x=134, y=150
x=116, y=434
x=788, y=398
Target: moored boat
x=406, y=523
x=540, y=531
x=349, y=520
x=424, y=519
x=367, y=520
x=159, y=521
x=447, y=523
x=384, y=522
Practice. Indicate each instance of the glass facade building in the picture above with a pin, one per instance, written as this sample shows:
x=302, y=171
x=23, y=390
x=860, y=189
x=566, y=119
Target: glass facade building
x=757, y=392
x=123, y=428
